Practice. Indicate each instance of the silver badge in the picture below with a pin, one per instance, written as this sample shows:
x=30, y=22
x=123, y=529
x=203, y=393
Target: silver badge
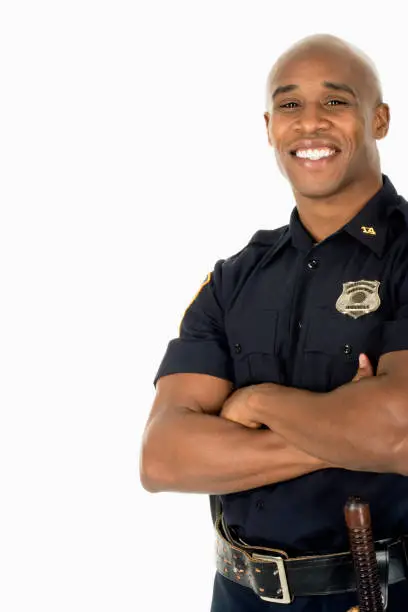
x=359, y=298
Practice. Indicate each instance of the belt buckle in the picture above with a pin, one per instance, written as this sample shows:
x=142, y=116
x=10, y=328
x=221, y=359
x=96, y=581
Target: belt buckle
x=285, y=596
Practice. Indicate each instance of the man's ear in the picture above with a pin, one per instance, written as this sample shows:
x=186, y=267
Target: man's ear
x=267, y=118
x=381, y=121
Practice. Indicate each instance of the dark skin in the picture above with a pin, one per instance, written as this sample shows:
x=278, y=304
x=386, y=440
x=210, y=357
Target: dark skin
x=187, y=446
x=327, y=93
x=333, y=96
x=357, y=426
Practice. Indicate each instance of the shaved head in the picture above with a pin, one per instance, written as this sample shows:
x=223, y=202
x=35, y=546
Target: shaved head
x=322, y=46
x=324, y=96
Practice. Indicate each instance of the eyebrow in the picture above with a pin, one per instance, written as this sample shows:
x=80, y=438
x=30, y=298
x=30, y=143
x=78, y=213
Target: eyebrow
x=328, y=84
x=340, y=87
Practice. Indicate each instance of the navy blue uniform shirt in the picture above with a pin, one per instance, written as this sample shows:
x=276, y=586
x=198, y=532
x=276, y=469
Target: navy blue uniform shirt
x=272, y=313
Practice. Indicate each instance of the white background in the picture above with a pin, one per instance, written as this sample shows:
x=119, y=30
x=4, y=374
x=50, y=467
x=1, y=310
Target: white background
x=133, y=156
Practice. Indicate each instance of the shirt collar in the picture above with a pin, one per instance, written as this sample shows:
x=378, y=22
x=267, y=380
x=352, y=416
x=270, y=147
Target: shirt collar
x=369, y=226
x=276, y=247
x=301, y=239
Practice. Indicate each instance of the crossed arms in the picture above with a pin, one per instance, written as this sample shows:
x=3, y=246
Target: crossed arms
x=200, y=437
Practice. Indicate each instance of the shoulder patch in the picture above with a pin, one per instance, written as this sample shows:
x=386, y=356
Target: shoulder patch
x=203, y=284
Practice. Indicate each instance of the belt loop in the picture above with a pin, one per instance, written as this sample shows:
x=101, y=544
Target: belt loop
x=383, y=560
x=226, y=530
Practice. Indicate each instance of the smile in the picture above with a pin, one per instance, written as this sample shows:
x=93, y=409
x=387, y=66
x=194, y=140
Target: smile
x=315, y=154
x=317, y=159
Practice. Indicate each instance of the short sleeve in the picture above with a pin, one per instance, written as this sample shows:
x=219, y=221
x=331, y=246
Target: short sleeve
x=201, y=347
x=395, y=331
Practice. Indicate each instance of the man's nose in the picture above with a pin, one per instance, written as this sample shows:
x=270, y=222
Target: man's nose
x=313, y=118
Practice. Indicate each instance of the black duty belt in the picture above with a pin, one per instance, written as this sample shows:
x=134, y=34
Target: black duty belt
x=276, y=578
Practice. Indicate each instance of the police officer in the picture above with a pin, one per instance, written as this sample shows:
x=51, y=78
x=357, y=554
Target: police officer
x=258, y=401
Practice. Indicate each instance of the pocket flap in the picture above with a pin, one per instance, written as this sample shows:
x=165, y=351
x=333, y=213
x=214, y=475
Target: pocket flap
x=254, y=333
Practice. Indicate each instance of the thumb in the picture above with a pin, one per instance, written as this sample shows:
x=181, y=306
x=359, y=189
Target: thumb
x=365, y=369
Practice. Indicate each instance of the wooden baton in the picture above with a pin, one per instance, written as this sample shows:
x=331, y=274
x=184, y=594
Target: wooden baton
x=358, y=520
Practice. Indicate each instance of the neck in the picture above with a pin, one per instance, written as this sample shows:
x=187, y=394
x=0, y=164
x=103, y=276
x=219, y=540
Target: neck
x=324, y=216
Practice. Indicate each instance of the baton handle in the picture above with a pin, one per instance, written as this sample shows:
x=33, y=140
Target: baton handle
x=358, y=520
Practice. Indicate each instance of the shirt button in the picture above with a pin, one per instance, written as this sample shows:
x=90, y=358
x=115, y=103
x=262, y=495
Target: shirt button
x=260, y=504
x=300, y=324
x=347, y=349
x=237, y=348
x=313, y=264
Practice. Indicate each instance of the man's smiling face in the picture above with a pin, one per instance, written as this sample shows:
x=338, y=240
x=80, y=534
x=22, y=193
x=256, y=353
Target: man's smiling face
x=323, y=121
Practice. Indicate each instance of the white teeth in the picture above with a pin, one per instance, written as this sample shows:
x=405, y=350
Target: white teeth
x=314, y=154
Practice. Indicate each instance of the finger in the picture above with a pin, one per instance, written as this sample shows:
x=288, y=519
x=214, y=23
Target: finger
x=365, y=365
x=365, y=368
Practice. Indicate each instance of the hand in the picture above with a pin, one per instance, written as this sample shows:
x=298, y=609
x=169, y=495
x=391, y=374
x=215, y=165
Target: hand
x=237, y=407
x=365, y=369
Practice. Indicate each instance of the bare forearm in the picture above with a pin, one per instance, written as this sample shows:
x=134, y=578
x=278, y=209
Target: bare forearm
x=199, y=453
x=351, y=426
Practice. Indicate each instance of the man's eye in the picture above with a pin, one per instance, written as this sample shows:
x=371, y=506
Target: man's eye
x=336, y=102
x=289, y=105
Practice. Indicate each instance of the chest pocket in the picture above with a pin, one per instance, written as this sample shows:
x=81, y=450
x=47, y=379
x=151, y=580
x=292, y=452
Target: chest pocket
x=333, y=344
x=253, y=344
